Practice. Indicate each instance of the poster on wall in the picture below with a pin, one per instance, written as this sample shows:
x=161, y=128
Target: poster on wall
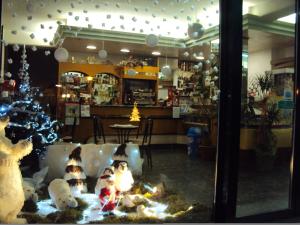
x=85, y=111
x=71, y=112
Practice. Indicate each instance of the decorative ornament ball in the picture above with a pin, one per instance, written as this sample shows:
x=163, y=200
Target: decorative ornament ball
x=41, y=95
x=10, y=61
x=212, y=56
x=216, y=78
x=47, y=52
x=207, y=61
x=61, y=54
x=16, y=47
x=34, y=48
x=166, y=70
x=186, y=54
x=195, y=30
x=216, y=69
x=152, y=40
x=28, y=126
x=102, y=54
x=131, y=72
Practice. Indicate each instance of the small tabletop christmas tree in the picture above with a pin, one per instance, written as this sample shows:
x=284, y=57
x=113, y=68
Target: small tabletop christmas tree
x=135, y=115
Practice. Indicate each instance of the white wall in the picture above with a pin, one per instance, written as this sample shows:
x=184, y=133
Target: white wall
x=280, y=53
x=258, y=63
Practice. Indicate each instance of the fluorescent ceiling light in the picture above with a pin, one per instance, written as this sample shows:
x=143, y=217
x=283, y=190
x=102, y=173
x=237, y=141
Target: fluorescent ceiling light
x=125, y=50
x=199, y=57
x=155, y=53
x=93, y=47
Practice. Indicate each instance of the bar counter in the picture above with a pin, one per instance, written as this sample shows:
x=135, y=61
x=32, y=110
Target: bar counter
x=164, y=124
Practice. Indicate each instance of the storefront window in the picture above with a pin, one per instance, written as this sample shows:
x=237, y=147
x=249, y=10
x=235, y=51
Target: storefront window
x=267, y=108
x=124, y=118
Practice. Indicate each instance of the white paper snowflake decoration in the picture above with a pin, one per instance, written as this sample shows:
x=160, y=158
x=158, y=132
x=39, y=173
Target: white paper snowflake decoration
x=61, y=54
x=16, y=47
x=8, y=74
x=34, y=48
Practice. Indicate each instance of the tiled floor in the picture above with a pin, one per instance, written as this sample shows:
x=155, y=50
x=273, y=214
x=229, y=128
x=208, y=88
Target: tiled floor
x=258, y=191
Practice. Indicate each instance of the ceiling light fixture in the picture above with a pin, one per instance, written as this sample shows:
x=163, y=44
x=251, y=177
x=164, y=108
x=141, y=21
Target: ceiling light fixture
x=92, y=47
x=155, y=53
x=125, y=50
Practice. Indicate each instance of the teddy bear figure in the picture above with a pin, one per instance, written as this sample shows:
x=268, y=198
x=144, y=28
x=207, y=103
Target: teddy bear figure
x=11, y=189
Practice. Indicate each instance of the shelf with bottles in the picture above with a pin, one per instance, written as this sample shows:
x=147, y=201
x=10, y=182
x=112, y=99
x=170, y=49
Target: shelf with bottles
x=106, y=89
x=144, y=92
x=185, y=65
x=72, y=85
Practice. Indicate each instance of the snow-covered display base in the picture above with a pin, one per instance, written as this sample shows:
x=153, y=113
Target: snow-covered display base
x=93, y=212
x=94, y=158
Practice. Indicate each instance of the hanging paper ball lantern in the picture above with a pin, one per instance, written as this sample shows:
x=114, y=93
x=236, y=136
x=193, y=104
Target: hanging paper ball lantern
x=166, y=70
x=131, y=72
x=195, y=30
x=151, y=40
x=61, y=54
x=102, y=54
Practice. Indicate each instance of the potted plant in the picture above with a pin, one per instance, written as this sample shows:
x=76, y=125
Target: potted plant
x=266, y=140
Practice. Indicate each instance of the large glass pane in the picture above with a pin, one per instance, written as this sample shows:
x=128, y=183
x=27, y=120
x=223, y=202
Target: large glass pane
x=267, y=107
x=140, y=72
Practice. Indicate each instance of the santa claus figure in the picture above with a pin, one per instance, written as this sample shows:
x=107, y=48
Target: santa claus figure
x=108, y=194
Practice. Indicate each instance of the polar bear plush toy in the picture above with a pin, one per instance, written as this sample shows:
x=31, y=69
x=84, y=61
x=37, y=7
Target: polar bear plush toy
x=60, y=193
x=11, y=190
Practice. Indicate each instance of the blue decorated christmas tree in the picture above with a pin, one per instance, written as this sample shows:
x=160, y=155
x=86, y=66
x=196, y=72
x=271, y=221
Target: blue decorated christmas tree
x=27, y=117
